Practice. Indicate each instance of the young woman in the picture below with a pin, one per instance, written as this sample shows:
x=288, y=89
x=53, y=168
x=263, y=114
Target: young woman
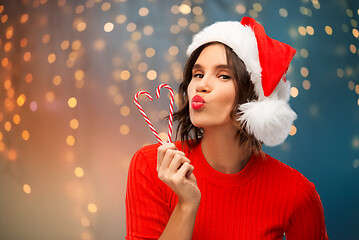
x=216, y=183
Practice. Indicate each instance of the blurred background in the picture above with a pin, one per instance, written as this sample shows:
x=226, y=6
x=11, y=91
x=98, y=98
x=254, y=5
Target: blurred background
x=69, y=127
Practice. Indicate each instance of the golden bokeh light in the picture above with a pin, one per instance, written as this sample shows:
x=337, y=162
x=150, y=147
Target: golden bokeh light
x=148, y=30
x=125, y=75
x=293, y=130
x=7, y=126
x=310, y=30
x=304, y=72
x=46, y=38
x=79, y=9
x=74, y=123
x=143, y=11
x=108, y=27
x=27, y=188
x=79, y=172
x=72, y=102
x=7, y=47
x=340, y=73
x=257, y=7
x=23, y=42
x=4, y=61
x=70, y=140
x=92, y=208
x=357, y=89
x=28, y=78
x=105, y=6
x=173, y=50
x=124, y=129
x=16, y=119
x=136, y=36
x=185, y=9
x=21, y=100
x=174, y=29
x=194, y=27
x=352, y=48
x=9, y=32
x=175, y=9
x=294, y=92
x=4, y=18
x=79, y=74
x=182, y=22
x=355, y=32
x=142, y=67
x=306, y=84
x=197, y=10
x=304, y=53
x=328, y=30
x=121, y=19
x=76, y=45
x=125, y=111
x=81, y=26
x=7, y=84
x=25, y=135
x=131, y=27
x=65, y=44
x=150, y=52
x=152, y=75
x=27, y=56
x=51, y=58
x=57, y=80
x=50, y=96
x=283, y=12
x=302, y=31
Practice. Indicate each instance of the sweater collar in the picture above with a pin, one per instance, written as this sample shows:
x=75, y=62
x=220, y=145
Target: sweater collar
x=223, y=179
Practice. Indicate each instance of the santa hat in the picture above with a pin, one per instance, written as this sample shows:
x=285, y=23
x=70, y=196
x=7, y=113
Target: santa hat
x=267, y=60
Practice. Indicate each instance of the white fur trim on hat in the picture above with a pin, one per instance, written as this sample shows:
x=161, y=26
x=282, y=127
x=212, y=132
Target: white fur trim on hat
x=271, y=129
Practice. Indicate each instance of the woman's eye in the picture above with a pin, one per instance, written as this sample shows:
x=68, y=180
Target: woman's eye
x=198, y=75
x=225, y=76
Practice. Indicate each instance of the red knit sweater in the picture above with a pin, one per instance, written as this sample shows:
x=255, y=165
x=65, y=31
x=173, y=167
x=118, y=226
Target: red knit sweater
x=266, y=199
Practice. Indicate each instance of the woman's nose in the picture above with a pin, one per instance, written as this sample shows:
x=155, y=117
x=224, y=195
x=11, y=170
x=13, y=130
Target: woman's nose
x=203, y=85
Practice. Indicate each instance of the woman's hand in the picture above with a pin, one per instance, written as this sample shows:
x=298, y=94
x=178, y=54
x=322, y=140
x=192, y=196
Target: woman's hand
x=175, y=170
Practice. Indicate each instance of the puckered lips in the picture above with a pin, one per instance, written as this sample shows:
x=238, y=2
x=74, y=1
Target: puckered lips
x=197, y=102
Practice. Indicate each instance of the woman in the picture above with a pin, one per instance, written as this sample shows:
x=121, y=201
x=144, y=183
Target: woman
x=216, y=183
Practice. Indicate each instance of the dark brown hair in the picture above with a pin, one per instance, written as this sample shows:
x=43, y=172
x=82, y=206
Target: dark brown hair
x=244, y=88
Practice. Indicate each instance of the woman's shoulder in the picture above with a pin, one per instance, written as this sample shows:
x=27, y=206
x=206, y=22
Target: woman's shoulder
x=283, y=171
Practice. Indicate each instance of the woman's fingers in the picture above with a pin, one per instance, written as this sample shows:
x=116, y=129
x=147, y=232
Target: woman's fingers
x=186, y=170
x=161, y=151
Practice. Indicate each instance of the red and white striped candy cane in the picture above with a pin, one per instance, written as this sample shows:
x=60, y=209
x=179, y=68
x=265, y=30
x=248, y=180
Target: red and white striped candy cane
x=171, y=108
x=144, y=114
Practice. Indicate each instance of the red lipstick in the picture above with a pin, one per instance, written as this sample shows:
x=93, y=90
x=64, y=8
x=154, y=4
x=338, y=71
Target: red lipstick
x=197, y=102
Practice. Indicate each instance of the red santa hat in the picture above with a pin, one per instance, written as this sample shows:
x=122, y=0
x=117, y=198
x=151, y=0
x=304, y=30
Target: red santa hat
x=267, y=60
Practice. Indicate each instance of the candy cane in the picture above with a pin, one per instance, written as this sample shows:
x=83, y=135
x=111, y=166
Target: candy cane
x=144, y=114
x=171, y=107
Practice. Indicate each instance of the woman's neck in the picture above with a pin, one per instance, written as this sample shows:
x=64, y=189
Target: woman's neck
x=222, y=150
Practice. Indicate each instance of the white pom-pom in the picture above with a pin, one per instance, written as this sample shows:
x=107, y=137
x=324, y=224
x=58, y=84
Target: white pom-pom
x=269, y=120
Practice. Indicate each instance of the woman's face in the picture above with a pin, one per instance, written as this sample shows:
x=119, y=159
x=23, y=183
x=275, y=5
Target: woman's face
x=213, y=81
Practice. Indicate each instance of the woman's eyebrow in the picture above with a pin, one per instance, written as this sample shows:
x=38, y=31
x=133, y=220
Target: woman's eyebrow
x=222, y=66
x=219, y=66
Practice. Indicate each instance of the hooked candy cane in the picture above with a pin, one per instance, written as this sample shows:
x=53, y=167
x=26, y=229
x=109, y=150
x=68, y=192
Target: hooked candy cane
x=148, y=120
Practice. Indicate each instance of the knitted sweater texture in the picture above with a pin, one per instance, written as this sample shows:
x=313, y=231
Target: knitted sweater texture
x=265, y=200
